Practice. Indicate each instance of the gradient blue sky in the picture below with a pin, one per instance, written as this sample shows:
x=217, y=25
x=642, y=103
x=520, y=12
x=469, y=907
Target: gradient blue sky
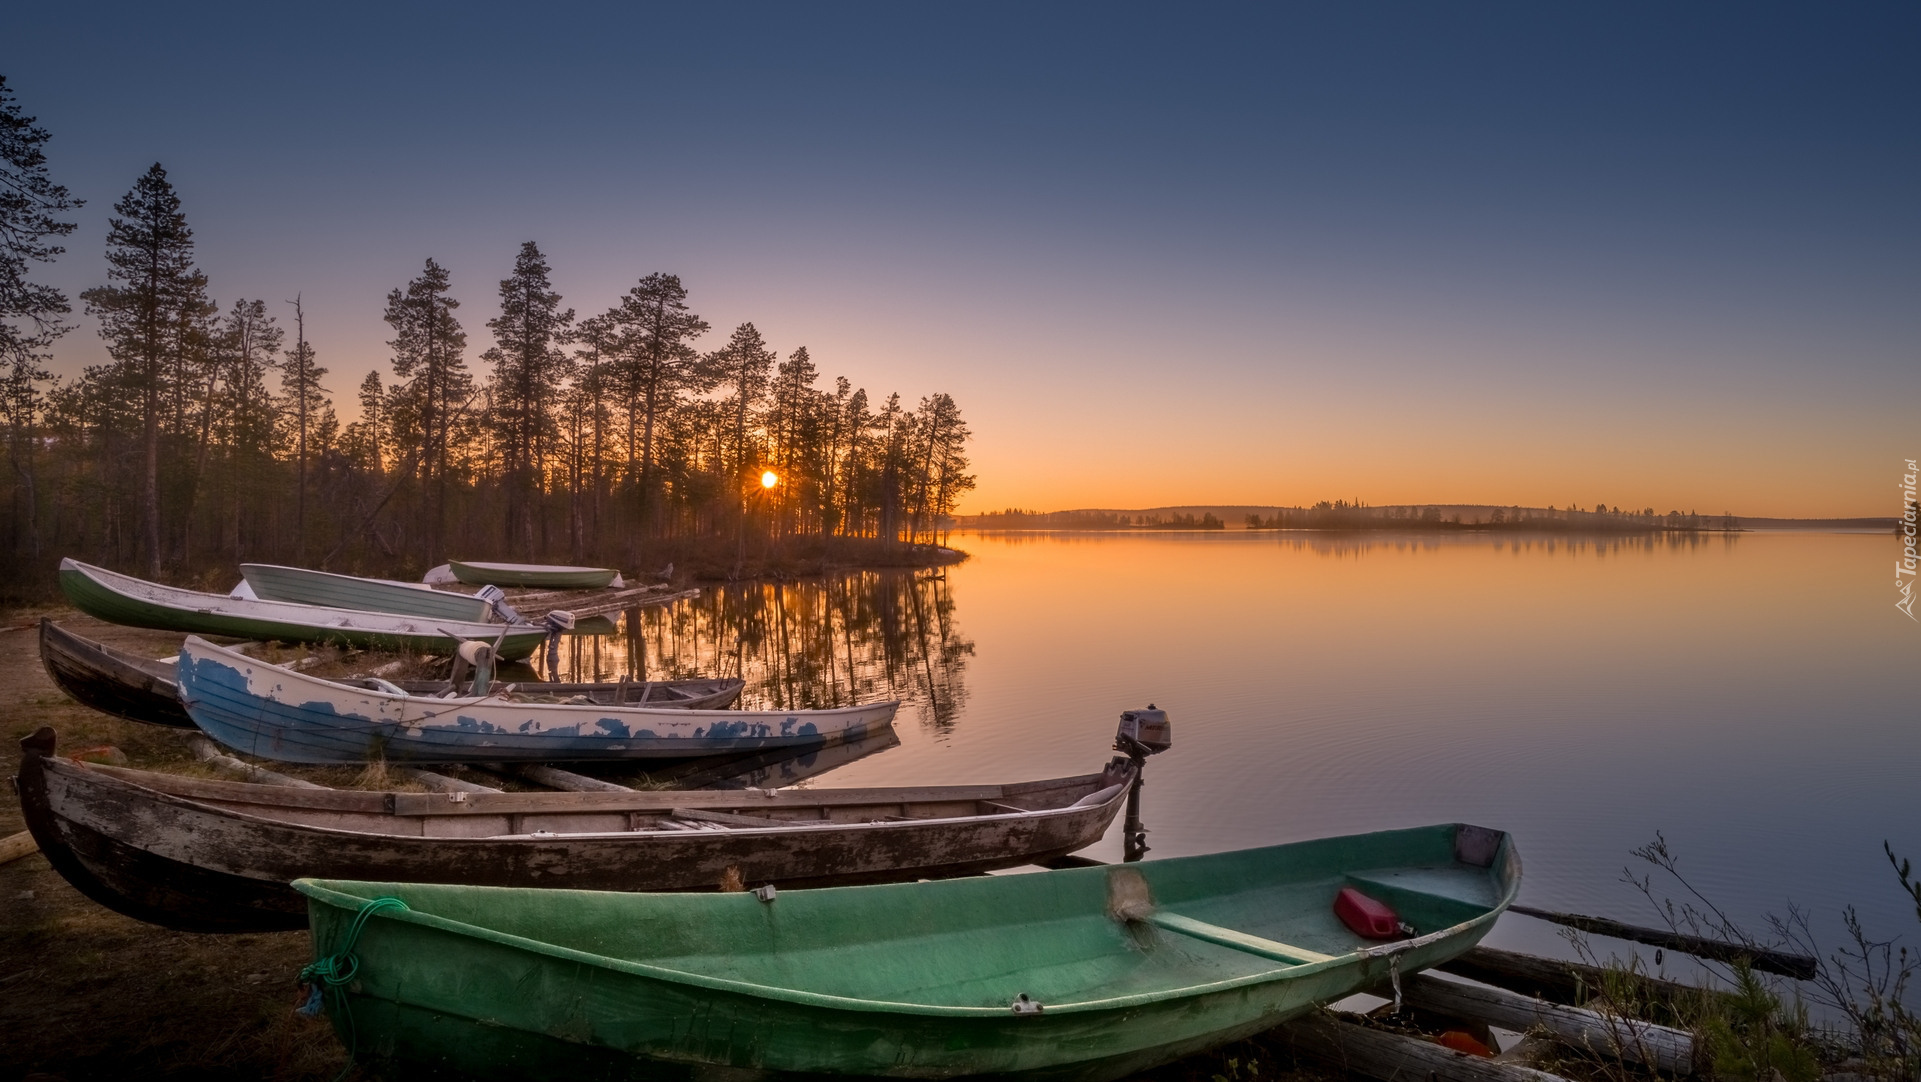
x=1518, y=253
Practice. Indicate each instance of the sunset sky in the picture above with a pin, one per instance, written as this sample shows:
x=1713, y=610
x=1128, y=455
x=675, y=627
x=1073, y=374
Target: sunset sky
x=1506, y=253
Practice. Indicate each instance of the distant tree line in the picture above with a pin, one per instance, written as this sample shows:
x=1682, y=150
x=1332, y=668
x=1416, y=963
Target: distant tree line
x=209, y=439
x=1016, y=519
x=1357, y=515
x=1343, y=515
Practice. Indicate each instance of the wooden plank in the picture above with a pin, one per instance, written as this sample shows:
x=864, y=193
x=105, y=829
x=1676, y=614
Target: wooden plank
x=221, y=791
x=204, y=751
x=729, y=818
x=643, y=597
x=15, y=846
x=1630, y=1039
x=1349, y=1047
x=1799, y=966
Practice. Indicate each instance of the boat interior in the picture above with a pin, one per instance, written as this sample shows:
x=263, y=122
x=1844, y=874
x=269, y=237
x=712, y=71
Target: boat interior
x=1056, y=938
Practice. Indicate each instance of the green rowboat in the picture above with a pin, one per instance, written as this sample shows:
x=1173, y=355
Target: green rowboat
x=123, y=599
x=545, y=576
x=273, y=582
x=1080, y=975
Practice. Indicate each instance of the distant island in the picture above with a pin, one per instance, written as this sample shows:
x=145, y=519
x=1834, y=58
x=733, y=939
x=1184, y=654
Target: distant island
x=1343, y=515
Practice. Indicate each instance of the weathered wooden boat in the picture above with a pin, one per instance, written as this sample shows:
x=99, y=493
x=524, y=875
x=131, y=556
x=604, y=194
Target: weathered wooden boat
x=1079, y=975
x=549, y=576
x=142, y=689
x=272, y=582
x=279, y=714
x=111, y=681
x=205, y=855
x=123, y=599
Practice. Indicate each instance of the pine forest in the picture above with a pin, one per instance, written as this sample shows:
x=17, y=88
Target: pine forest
x=522, y=431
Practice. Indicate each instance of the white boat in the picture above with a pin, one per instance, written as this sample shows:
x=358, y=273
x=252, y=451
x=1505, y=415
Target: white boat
x=123, y=599
x=273, y=582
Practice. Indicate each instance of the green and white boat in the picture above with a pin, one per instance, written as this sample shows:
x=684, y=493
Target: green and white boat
x=123, y=599
x=1081, y=975
x=543, y=576
x=272, y=582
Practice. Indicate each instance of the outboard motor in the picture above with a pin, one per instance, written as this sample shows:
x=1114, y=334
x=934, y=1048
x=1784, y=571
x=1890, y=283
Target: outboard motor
x=496, y=599
x=558, y=623
x=1142, y=733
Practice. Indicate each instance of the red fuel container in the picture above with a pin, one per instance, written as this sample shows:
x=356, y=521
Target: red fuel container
x=1365, y=916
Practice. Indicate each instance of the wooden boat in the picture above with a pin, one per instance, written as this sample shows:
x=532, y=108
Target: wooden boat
x=204, y=855
x=111, y=681
x=123, y=599
x=1080, y=975
x=272, y=582
x=279, y=714
x=548, y=576
x=140, y=689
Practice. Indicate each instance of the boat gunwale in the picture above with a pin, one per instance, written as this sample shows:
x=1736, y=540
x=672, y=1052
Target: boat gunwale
x=58, y=765
x=495, y=699
x=497, y=565
x=417, y=587
x=348, y=903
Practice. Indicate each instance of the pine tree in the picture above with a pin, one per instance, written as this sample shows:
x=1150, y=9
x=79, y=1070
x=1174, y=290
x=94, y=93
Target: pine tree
x=245, y=343
x=743, y=364
x=305, y=400
x=428, y=344
x=658, y=364
x=150, y=320
x=529, y=369
x=367, y=436
x=30, y=205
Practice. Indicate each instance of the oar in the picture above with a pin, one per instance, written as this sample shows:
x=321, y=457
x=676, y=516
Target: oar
x=1799, y=966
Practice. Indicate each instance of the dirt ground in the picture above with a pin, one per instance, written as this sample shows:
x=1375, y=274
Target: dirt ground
x=88, y=994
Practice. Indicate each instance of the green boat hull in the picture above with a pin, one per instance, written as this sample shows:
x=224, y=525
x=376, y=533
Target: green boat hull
x=907, y=981
x=96, y=600
x=540, y=576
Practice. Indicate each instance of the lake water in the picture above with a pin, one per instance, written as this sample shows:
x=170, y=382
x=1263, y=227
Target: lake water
x=1751, y=696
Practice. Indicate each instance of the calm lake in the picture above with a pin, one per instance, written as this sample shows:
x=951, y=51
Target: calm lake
x=1751, y=696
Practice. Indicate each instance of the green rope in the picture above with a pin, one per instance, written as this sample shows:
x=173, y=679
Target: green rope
x=329, y=976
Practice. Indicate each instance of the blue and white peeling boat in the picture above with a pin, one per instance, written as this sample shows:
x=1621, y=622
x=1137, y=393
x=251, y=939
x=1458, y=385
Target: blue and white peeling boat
x=276, y=713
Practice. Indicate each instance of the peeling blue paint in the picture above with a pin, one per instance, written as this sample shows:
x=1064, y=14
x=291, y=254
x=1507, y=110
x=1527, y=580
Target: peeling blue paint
x=334, y=730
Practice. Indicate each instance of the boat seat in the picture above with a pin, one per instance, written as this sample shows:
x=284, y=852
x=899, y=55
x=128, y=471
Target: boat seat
x=1241, y=941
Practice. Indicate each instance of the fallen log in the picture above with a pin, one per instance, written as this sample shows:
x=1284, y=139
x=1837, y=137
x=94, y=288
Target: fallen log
x=1799, y=966
x=1572, y=983
x=203, y=750
x=441, y=783
x=15, y=846
x=555, y=778
x=566, y=780
x=1605, y=1035
x=1394, y=1057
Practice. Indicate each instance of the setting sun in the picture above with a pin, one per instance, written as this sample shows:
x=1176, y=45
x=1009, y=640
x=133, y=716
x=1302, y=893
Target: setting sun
x=769, y=479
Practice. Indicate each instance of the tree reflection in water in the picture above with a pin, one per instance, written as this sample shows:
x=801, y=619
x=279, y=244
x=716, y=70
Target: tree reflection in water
x=830, y=641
